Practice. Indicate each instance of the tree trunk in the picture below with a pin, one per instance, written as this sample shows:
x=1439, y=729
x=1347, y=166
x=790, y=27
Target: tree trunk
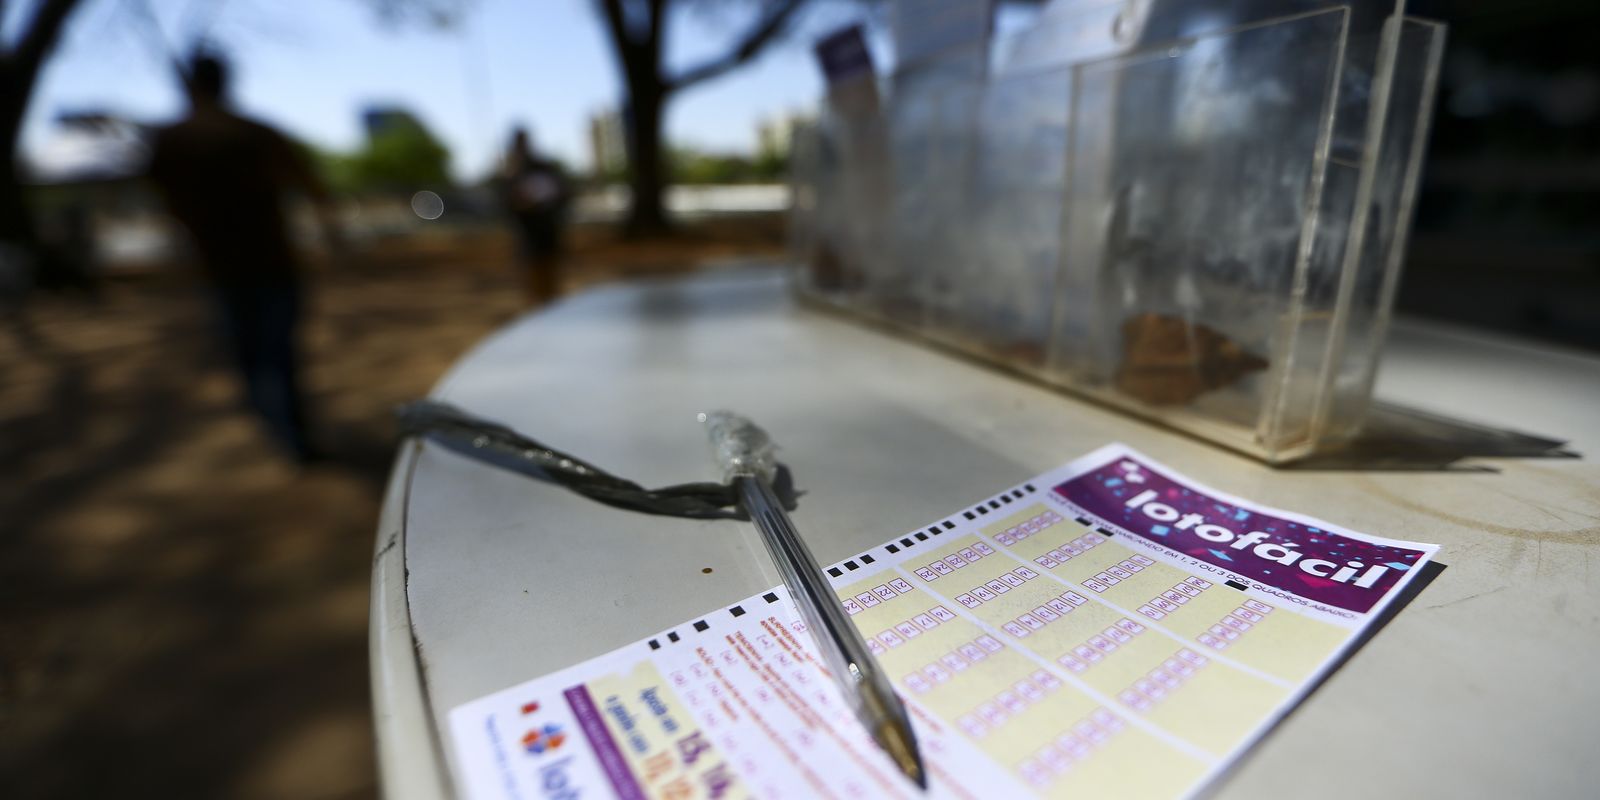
x=16, y=224
x=19, y=70
x=646, y=176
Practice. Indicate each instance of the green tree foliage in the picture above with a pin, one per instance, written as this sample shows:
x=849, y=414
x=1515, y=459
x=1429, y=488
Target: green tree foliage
x=402, y=156
x=694, y=167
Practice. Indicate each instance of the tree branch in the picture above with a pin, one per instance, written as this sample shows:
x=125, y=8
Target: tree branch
x=658, y=26
x=40, y=36
x=636, y=53
x=617, y=22
x=19, y=69
x=760, y=35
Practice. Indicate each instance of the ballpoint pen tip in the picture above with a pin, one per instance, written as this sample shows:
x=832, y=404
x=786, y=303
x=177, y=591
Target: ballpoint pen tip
x=901, y=746
x=917, y=774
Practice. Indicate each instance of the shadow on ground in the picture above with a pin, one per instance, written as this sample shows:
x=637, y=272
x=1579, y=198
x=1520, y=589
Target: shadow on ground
x=182, y=612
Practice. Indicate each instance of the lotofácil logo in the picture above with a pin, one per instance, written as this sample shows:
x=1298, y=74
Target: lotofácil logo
x=543, y=739
x=555, y=783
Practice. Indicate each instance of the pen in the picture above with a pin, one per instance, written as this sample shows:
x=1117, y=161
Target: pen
x=745, y=453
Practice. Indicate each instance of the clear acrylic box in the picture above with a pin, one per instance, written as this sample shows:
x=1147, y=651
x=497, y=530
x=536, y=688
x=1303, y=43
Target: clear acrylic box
x=1194, y=211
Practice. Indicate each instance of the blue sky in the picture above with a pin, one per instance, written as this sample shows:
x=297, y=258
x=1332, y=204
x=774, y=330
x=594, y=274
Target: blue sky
x=309, y=66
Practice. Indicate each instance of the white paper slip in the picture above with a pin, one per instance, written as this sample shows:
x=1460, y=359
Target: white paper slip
x=1108, y=629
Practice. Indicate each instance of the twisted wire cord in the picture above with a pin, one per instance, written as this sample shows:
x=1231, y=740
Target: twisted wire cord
x=493, y=443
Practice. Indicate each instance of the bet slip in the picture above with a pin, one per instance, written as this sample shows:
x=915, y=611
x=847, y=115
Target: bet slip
x=1108, y=629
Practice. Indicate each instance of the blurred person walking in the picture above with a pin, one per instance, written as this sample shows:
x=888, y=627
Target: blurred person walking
x=536, y=192
x=227, y=179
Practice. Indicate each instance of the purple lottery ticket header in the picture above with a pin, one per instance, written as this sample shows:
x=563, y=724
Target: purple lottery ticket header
x=612, y=762
x=1314, y=563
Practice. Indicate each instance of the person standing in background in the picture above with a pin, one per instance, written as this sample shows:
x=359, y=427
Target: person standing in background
x=227, y=179
x=536, y=193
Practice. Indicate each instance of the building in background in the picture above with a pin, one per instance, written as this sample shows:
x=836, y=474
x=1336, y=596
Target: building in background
x=608, y=146
x=90, y=204
x=775, y=135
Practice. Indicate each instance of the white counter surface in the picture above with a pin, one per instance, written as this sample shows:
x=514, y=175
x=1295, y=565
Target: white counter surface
x=1483, y=686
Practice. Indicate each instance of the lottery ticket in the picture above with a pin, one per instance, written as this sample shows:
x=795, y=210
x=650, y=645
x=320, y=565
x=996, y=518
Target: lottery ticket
x=1107, y=629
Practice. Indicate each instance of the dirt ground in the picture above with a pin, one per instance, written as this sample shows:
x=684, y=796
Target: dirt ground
x=183, y=613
